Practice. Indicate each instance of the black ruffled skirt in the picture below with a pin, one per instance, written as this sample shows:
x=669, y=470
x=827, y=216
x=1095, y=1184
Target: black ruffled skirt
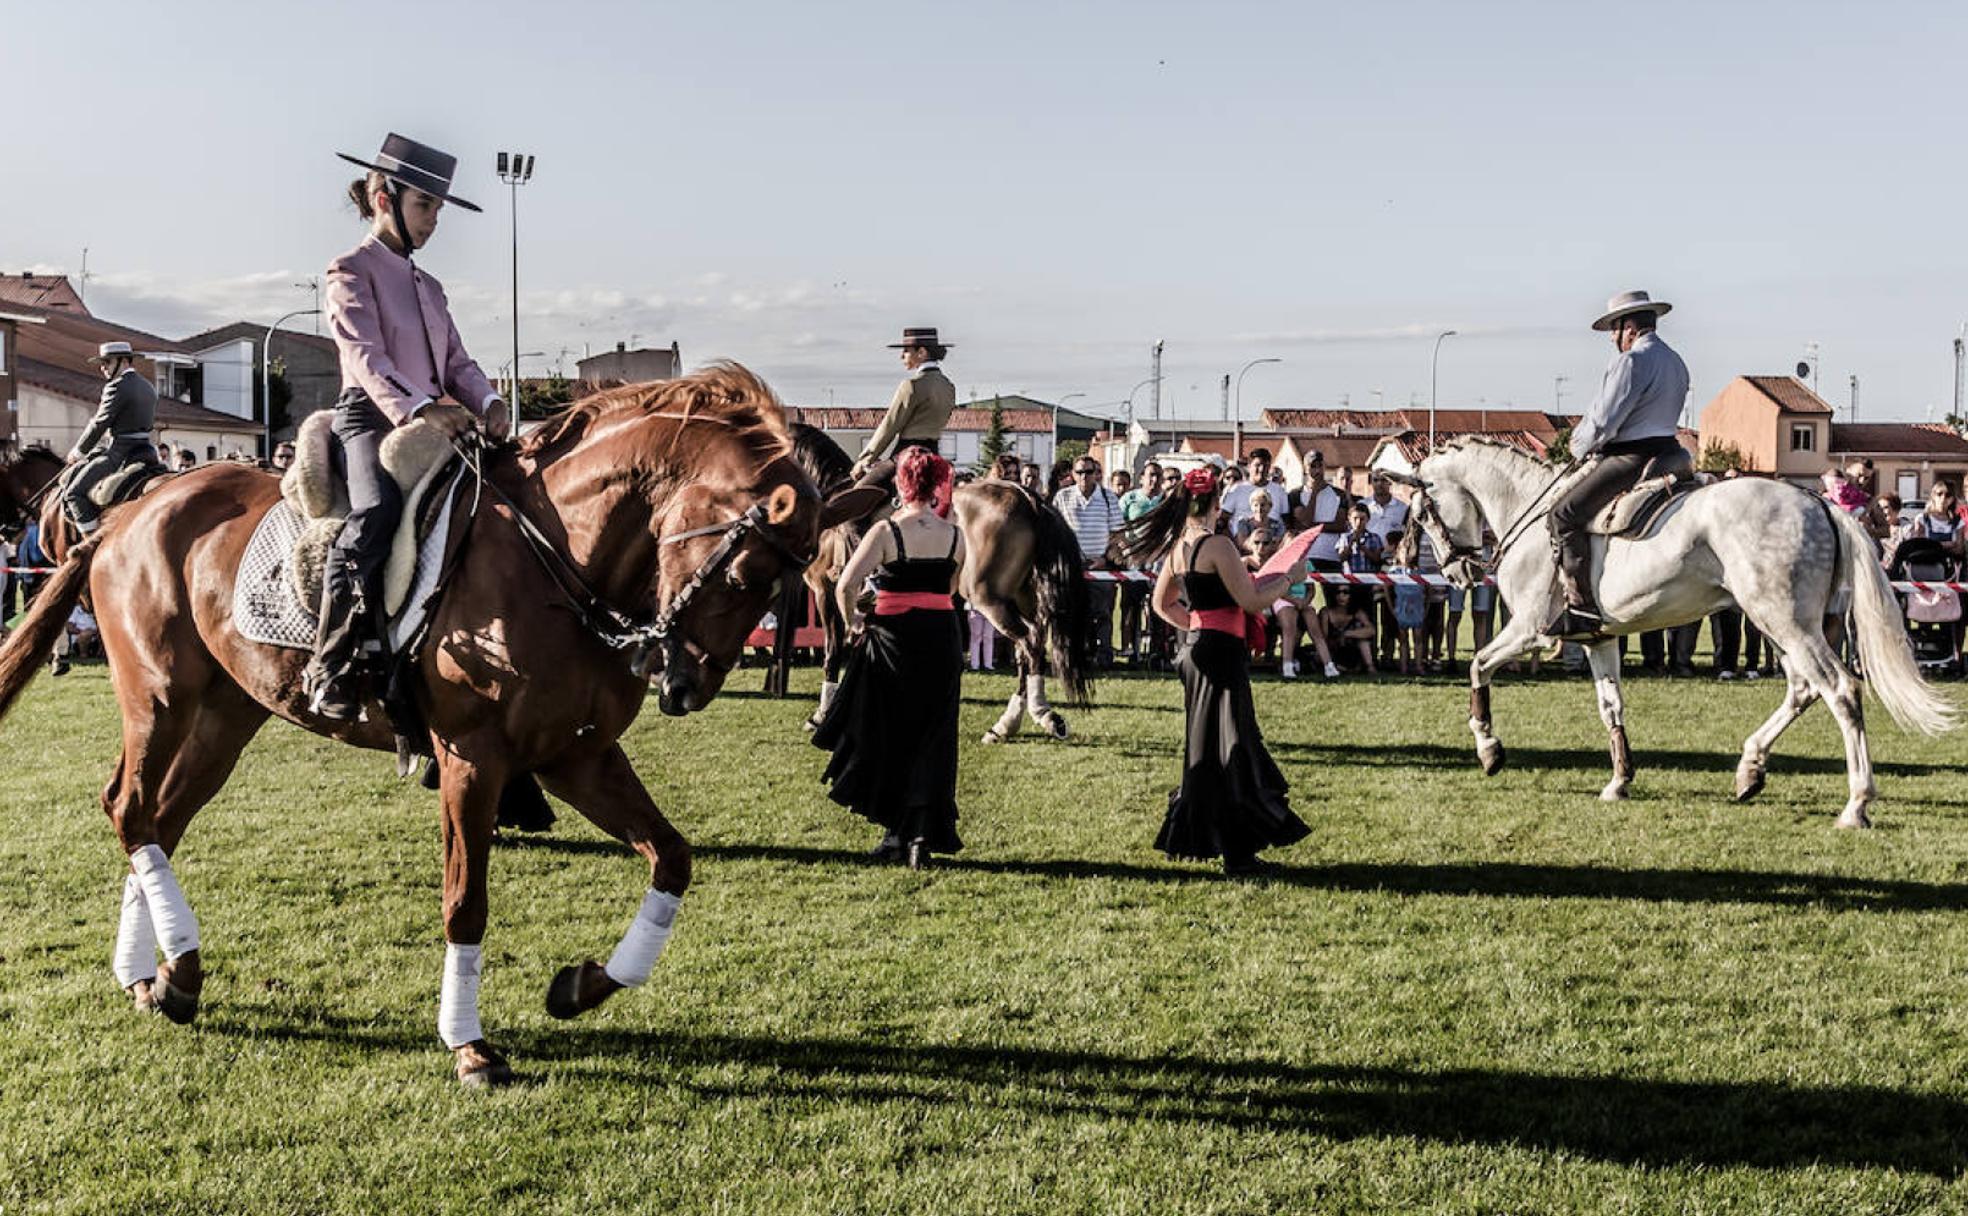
x=892, y=727
x=1233, y=798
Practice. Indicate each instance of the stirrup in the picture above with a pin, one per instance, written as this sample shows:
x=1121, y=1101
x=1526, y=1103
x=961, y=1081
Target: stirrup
x=1574, y=623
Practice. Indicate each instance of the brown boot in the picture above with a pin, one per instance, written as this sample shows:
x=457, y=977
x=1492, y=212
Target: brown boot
x=1578, y=619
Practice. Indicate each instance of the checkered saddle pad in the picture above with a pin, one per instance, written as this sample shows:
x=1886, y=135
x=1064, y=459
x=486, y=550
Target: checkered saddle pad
x=266, y=606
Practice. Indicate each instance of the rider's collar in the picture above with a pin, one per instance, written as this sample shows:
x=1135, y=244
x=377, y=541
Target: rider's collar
x=923, y=367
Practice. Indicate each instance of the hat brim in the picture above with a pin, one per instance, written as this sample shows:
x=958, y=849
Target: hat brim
x=907, y=345
x=1659, y=308
x=449, y=198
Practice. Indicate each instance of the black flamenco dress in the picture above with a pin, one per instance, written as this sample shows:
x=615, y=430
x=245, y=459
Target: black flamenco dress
x=892, y=727
x=1232, y=801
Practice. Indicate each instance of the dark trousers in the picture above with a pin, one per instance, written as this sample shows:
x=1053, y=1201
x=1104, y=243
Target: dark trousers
x=1134, y=602
x=105, y=462
x=1609, y=476
x=1100, y=619
x=1738, y=642
x=351, y=587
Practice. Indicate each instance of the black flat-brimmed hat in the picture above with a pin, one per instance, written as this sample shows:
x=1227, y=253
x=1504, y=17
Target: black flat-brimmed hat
x=919, y=335
x=418, y=166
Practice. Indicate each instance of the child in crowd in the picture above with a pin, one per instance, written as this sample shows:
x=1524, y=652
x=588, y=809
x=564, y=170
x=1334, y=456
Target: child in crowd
x=1344, y=626
x=1410, y=605
x=983, y=642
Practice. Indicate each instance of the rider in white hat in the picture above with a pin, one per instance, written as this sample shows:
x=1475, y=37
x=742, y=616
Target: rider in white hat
x=1633, y=421
x=127, y=412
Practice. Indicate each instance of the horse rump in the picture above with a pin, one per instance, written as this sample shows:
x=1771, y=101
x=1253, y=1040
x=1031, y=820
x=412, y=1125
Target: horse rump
x=1890, y=668
x=47, y=618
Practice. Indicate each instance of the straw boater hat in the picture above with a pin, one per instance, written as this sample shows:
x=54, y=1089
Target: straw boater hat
x=921, y=335
x=1628, y=302
x=418, y=166
x=112, y=350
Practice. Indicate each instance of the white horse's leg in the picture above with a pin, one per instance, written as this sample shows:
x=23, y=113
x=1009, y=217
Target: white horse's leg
x=1605, y=660
x=1516, y=638
x=1750, y=773
x=1809, y=658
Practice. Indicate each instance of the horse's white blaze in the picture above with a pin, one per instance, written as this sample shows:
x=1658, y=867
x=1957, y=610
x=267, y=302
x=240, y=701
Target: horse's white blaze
x=643, y=944
x=457, y=1000
x=171, y=920
x=135, y=959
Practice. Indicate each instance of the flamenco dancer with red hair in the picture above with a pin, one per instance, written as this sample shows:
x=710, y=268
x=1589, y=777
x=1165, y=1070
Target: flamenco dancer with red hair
x=1232, y=801
x=892, y=727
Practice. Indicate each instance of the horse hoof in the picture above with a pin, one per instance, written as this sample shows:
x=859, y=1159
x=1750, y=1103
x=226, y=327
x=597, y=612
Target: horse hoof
x=1855, y=819
x=1615, y=791
x=1748, y=787
x=176, y=1003
x=992, y=736
x=1492, y=760
x=575, y=990
x=1055, y=726
x=480, y=1066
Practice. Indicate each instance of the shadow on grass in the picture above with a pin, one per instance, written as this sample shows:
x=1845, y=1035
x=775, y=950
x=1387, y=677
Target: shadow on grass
x=1503, y=880
x=1614, y=1119
x=1439, y=755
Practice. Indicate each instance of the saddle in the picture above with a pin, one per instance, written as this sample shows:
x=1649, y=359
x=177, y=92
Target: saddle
x=1667, y=477
x=128, y=482
x=415, y=456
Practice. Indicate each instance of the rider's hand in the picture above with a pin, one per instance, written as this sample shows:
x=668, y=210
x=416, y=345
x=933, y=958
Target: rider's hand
x=498, y=419
x=75, y=453
x=451, y=420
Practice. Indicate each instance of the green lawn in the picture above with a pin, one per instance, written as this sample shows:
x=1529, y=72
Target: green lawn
x=1462, y=995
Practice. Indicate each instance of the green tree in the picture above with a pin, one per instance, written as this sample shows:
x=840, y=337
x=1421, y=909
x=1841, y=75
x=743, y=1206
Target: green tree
x=1719, y=456
x=1071, y=450
x=538, y=400
x=993, y=444
x=1560, y=450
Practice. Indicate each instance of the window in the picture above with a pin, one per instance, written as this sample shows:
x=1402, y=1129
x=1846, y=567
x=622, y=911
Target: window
x=1803, y=437
x=1909, y=486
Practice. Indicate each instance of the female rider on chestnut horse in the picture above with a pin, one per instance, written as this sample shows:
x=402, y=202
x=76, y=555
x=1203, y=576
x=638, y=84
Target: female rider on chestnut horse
x=649, y=518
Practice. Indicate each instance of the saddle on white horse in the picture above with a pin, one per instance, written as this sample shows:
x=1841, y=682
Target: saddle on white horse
x=277, y=593
x=1666, y=478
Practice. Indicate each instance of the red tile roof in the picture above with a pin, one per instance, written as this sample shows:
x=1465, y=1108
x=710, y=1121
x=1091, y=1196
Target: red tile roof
x=1325, y=420
x=858, y=418
x=1912, y=438
x=1790, y=394
x=1461, y=420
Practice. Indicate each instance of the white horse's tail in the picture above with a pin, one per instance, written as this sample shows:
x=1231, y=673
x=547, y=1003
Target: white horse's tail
x=1889, y=667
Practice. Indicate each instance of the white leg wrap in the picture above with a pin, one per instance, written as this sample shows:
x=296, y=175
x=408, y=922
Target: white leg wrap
x=1035, y=698
x=1007, y=724
x=457, y=1001
x=170, y=916
x=642, y=945
x=136, y=941
x=827, y=690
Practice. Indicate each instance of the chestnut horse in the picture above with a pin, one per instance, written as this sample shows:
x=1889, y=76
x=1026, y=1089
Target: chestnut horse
x=1022, y=570
x=655, y=516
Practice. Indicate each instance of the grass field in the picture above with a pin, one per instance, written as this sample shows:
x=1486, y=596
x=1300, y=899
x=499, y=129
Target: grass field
x=1462, y=995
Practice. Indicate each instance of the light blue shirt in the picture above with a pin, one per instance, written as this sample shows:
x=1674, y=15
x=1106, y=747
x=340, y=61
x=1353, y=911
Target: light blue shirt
x=1641, y=398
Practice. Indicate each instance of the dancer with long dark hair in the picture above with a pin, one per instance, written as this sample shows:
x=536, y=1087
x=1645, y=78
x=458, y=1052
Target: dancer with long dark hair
x=892, y=727
x=1232, y=801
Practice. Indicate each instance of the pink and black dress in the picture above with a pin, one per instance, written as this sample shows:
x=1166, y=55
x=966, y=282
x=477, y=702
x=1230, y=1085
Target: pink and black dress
x=892, y=727
x=1232, y=801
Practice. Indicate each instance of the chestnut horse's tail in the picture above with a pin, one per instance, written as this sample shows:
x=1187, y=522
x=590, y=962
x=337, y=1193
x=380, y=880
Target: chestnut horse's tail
x=1064, y=607
x=29, y=647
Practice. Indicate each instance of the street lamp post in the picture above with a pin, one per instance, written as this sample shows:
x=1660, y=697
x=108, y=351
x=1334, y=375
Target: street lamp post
x=512, y=381
x=515, y=169
x=1434, y=365
x=1240, y=382
x=266, y=372
x=1054, y=453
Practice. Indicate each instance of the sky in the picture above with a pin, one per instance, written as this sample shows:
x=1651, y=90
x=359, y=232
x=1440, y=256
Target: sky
x=1056, y=186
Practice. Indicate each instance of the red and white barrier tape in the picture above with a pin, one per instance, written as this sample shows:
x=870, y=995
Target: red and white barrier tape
x=28, y=569
x=1342, y=578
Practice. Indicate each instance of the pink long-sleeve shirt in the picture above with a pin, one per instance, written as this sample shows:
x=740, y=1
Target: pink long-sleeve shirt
x=380, y=309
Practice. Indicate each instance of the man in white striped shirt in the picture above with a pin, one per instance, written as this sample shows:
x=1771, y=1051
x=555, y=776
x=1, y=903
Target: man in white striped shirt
x=1094, y=514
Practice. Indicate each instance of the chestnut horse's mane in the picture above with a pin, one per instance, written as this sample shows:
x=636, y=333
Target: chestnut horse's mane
x=724, y=395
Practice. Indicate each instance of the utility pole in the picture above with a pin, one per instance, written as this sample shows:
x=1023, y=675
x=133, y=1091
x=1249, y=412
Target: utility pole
x=1558, y=394
x=82, y=281
x=1855, y=398
x=1960, y=352
x=515, y=169
x=1226, y=396
x=1155, y=396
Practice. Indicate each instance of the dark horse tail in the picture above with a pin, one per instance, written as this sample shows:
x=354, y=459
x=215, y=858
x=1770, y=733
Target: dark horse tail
x=34, y=641
x=1064, y=608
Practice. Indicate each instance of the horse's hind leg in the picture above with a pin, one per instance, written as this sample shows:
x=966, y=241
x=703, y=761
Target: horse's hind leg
x=1005, y=617
x=1750, y=773
x=1605, y=661
x=470, y=788
x=605, y=788
x=1033, y=665
x=1808, y=658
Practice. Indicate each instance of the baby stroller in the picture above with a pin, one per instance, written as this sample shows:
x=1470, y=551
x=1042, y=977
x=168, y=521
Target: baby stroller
x=1931, y=615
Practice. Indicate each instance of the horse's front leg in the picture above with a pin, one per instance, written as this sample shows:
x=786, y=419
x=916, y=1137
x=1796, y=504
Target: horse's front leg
x=1516, y=638
x=1605, y=660
x=470, y=788
x=604, y=787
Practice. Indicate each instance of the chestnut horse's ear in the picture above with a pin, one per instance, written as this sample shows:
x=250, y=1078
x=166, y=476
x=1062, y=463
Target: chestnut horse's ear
x=849, y=505
x=780, y=504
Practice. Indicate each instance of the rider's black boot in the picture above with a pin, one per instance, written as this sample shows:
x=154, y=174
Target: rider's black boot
x=333, y=683
x=1578, y=619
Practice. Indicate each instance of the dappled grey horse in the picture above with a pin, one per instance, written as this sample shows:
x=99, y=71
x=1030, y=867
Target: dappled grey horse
x=1782, y=555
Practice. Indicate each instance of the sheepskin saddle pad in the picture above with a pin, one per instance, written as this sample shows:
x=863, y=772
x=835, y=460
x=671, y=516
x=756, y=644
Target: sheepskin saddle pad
x=278, y=589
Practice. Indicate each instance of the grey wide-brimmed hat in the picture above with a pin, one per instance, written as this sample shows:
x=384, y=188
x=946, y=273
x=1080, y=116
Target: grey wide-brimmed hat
x=418, y=166
x=1627, y=303
x=919, y=335
x=112, y=350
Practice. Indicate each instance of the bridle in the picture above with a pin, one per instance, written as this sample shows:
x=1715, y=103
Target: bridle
x=660, y=636
x=1463, y=562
